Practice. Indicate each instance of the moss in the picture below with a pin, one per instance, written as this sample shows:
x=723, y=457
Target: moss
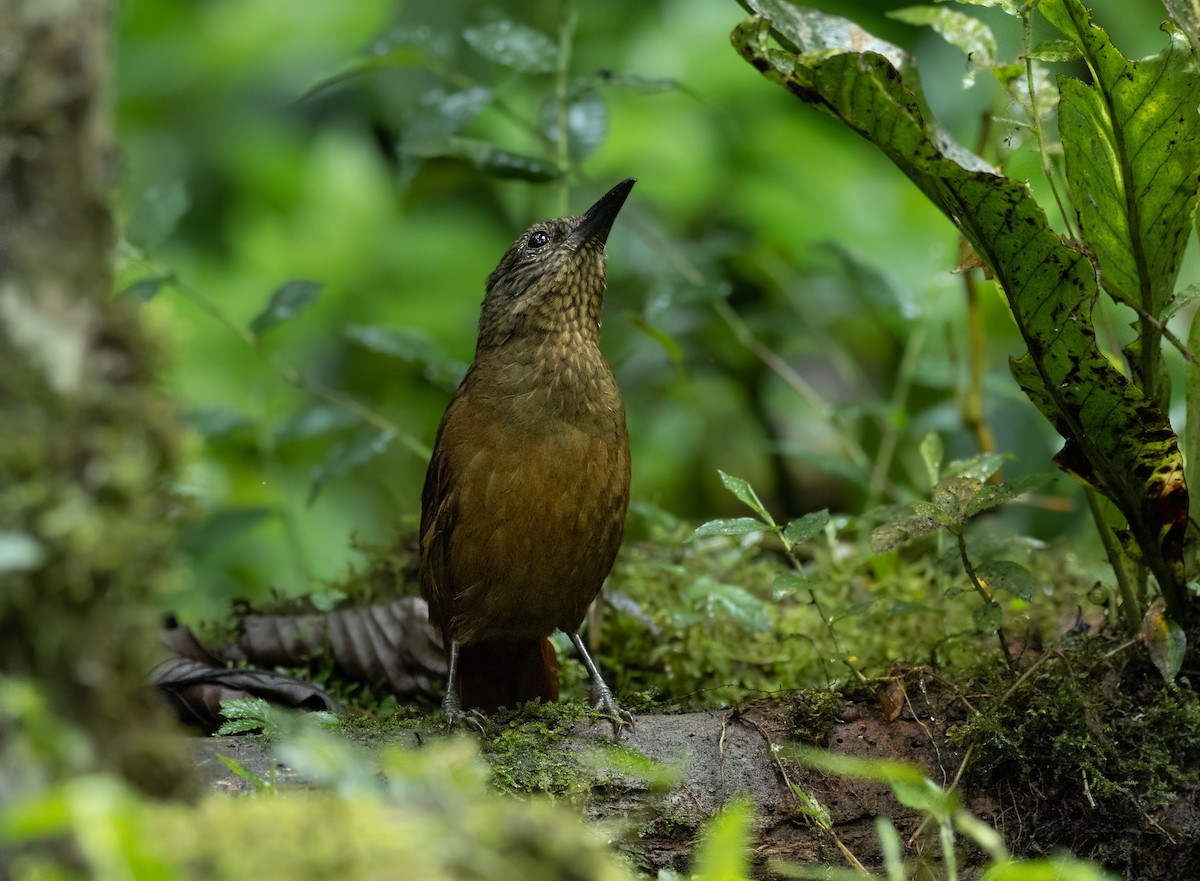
x=1095, y=737
x=436, y=820
x=814, y=713
x=525, y=748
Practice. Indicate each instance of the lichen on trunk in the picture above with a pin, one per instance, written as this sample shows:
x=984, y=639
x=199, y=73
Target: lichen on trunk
x=88, y=442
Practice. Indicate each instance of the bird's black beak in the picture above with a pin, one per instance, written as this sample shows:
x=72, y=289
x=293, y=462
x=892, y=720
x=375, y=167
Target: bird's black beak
x=598, y=219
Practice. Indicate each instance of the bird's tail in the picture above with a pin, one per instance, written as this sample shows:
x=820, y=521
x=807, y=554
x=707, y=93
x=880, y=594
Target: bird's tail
x=504, y=674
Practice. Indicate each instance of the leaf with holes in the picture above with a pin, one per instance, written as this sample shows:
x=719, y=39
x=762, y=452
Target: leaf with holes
x=1116, y=438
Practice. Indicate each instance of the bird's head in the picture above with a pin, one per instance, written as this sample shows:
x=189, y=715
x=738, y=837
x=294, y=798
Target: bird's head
x=552, y=279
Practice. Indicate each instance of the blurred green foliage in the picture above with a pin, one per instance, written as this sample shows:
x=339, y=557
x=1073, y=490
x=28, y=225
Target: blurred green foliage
x=339, y=145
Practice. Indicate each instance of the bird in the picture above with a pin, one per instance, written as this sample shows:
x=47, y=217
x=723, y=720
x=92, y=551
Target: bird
x=524, y=502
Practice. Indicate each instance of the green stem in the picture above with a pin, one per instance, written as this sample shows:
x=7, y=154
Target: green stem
x=562, y=70
x=290, y=375
x=801, y=386
x=891, y=428
x=982, y=591
x=1131, y=609
x=287, y=511
x=1027, y=26
x=974, y=419
x=812, y=595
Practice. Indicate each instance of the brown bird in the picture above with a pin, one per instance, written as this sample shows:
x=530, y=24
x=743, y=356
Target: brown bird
x=525, y=498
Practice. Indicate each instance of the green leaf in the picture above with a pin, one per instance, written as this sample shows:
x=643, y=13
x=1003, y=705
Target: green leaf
x=1055, y=51
x=387, y=57
x=926, y=518
x=932, y=453
x=237, y=768
x=969, y=34
x=806, y=527
x=347, y=456
x=723, y=853
x=1060, y=868
x=144, y=289
x=746, y=495
x=488, y=158
x=786, y=584
x=1165, y=640
x=667, y=342
x=314, y=421
x=20, y=552
x=513, y=45
x=1191, y=431
x=722, y=600
x=987, y=617
x=222, y=527
x=1131, y=141
x=248, y=714
x=1116, y=438
x=216, y=421
x=587, y=123
x=925, y=795
x=978, y=468
x=890, y=771
x=806, y=30
x=637, y=83
x=813, y=808
x=1011, y=7
x=288, y=301
x=1007, y=576
x=156, y=215
x=991, y=495
x=410, y=344
x=732, y=526
x=619, y=760
x=447, y=113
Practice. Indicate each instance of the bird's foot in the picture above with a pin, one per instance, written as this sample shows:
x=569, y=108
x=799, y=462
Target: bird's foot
x=457, y=717
x=604, y=703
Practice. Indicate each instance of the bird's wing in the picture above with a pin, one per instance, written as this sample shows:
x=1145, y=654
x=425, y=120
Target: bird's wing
x=438, y=516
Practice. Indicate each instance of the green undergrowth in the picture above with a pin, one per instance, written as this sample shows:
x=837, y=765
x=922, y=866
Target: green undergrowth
x=708, y=622
x=432, y=815
x=1089, y=750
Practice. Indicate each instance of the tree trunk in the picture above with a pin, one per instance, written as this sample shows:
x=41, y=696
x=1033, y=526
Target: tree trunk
x=88, y=442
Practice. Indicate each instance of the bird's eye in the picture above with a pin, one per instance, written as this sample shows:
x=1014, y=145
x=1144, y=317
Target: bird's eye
x=537, y=240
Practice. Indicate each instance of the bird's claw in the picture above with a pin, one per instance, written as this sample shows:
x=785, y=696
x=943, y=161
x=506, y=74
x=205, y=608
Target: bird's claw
x=457, y=717
x=603, y=703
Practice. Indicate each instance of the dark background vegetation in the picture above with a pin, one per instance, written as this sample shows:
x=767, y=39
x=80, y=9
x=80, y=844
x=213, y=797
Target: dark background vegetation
x=749, y=217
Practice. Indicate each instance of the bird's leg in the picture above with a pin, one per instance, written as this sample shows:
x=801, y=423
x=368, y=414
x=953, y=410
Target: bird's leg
x=602, y=696
x=451, y=706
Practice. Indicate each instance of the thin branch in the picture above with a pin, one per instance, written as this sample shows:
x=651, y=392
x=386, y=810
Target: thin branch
x=290, y=374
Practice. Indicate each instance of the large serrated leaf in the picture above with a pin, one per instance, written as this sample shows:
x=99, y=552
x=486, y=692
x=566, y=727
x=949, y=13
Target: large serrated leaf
x=1117, y=438
x=1131, y=141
